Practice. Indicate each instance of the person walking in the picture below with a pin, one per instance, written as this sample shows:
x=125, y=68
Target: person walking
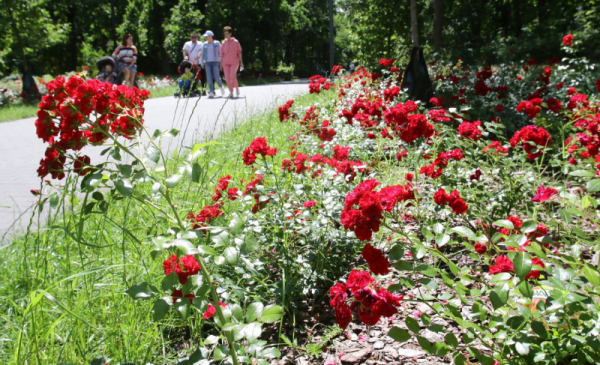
x=126, y=55
x=192, y=51
x=211, y=62
x=231, y=59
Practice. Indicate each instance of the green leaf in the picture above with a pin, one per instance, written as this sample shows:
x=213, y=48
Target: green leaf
x=198, y=146
x=522, y=264
x=196, y=172
x=459, y=358
x=124, y=187
x=207, y=250
x=593, y=186
x=440, y=349
x=463, y=231
x=403, y=265
x=182, y=307
x=565, y=216
x=231, y=255
x=540, y=329
x=582, y=173
x=425, y=345
x=591, y=274
x=174, y=132
x=442, y=239
x=125, y=170
x=270, y=353
x=429, y=283
x=525, y=289
x=254, y=311
x=160, y=309
x=91, y=182
x=399, y=334
x=438, y=228
x=451, y=339
x=237, y=312
x=396, y=253
x=173, y=181
x=522, y=348
x=186, y=246
x=54, y=200
x=426, y=270
x=229, y=326
x=503, y=276
x=142, y=291
x=515, y=322
x=529, y=226
x=504, y=223
x=252, y=331
x=115, y=153
x=271, y=314
x=499, y=296
x=413, y=325
x=153, y=154
x=169, y=282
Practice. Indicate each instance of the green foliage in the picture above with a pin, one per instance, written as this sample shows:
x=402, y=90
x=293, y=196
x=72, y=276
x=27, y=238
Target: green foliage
x=184, y=19
x=286, y=72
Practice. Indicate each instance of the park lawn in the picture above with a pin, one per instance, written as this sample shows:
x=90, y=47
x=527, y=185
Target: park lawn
x=62, y=290
x=16, y=112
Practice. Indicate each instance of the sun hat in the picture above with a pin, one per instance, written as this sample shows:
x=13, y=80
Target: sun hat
x=208, y=33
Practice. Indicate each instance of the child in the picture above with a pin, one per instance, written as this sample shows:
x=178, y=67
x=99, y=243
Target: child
x=108, y=75
x=185, y=81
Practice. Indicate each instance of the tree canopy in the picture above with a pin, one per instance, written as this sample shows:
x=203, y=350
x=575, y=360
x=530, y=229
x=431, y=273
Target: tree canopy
x=53, y=37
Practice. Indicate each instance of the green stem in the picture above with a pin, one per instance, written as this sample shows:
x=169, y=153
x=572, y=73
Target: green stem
x=215, y=300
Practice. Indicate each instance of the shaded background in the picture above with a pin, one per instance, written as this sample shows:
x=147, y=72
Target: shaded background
x=58, y=36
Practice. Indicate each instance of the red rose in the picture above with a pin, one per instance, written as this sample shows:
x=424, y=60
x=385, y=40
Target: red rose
x=543, y=194
x=567, y=40
x=378, y=264
x=503, y=264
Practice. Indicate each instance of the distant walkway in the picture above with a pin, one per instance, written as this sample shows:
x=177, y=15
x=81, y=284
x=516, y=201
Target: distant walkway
x=21, y=150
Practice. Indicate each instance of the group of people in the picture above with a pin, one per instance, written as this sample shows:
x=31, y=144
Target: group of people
x=212, y=57
x=209, y=58
x=126, y=56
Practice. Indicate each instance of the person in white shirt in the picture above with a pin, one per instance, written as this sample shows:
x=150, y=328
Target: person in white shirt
x=192, y=51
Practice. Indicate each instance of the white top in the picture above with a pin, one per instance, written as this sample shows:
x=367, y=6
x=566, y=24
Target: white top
x=193, y=50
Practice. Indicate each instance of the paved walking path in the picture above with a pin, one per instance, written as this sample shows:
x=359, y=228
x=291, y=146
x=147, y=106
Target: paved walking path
x=198, y=120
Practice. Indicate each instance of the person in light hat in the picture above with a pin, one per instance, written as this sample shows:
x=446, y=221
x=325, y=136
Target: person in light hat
x=210, y=60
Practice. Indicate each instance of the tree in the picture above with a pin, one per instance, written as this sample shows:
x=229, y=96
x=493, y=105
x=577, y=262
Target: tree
x=26, y=30
x=438, y=24
x=416, y=77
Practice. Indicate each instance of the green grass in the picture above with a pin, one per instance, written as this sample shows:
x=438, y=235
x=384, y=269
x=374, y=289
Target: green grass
x=62, y=287
x=15, y=112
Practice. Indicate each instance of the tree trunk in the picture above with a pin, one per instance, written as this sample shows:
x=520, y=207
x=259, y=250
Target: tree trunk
x=72, y=19
x=438, y=24
x=414, y=23
x=504, y=17
x=517, y=17
x=202, y=8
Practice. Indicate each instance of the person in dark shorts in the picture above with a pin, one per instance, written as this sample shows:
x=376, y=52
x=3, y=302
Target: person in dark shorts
x=126, y=55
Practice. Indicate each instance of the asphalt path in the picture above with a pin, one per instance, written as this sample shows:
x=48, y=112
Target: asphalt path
x=198, y=120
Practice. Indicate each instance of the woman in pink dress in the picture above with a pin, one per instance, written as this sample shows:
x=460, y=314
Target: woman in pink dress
x=231, y=59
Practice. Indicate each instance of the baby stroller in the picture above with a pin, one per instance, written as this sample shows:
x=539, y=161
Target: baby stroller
x=110, y=75
x=110, y=61
x=188, y=87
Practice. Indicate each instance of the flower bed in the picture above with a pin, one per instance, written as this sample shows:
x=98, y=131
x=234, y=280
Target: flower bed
x=480, y=207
